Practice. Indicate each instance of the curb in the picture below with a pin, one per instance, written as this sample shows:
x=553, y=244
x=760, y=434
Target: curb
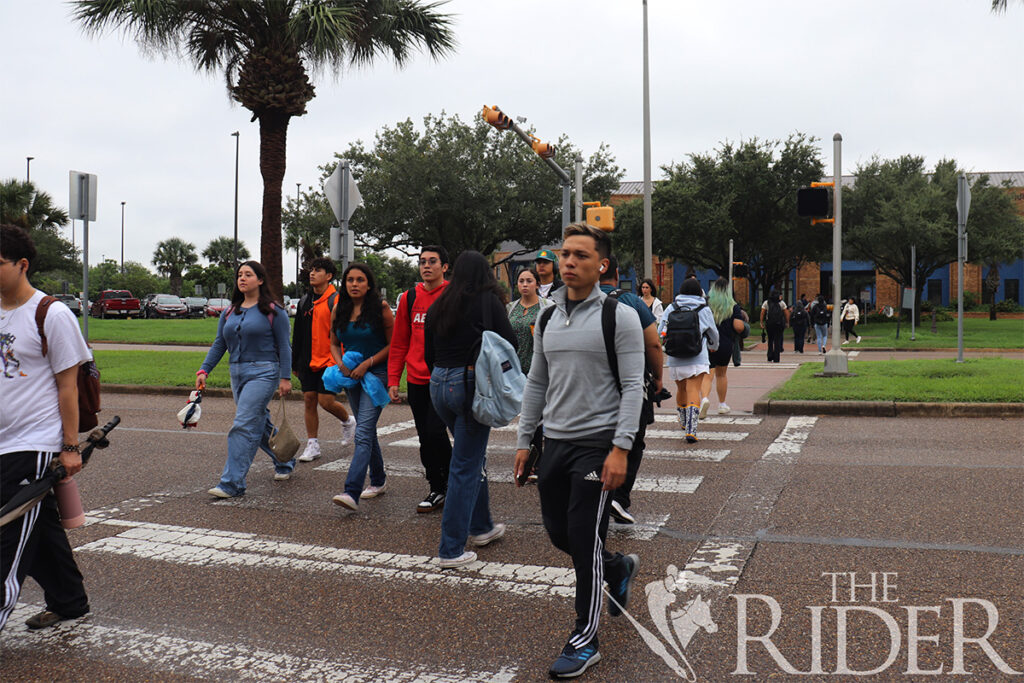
x=210, y=392
x=888, y=409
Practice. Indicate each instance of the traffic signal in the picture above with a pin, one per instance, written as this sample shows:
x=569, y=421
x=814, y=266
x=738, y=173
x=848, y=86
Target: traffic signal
x=740, y=269
x=813, y=202
x=543, y=149
x=496, y=118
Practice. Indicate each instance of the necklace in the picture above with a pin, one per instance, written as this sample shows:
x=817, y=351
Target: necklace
x=7, y=312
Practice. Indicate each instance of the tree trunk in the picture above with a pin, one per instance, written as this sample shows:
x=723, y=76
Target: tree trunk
x=273, y=157
x=992, y=282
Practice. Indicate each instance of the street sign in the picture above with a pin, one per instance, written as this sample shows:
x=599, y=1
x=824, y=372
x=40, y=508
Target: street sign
x=908, y=297
x=77, y=208
x=332, y=188
x=963, y=199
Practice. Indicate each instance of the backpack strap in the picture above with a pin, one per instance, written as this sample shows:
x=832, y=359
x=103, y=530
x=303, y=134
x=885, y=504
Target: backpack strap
x=331, y=300
x=608, y=331
x=545, y=316
x=410, y=297
x=41, y=309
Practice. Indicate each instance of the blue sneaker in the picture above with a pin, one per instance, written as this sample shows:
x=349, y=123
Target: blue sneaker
x=619, y=592
x=572, y=662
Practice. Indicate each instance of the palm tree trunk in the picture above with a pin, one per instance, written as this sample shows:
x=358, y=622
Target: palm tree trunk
x=273, y=139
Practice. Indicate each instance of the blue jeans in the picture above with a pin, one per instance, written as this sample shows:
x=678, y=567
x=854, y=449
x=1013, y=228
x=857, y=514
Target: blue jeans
x=367, y=452
x=467, y=509
x=252, y=385
x=821, y=332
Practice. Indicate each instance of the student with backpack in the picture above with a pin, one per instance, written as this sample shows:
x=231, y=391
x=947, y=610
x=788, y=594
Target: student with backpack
x=254, y=331
x=311, y=356
x=689, y=331
x=820, y=318
x=774, y=318
x=407, y=353
x=39, y=424
x=729, y=317
x=799, y=322
x=470, y=305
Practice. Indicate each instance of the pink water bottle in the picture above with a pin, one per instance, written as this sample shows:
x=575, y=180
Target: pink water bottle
x=69, y=503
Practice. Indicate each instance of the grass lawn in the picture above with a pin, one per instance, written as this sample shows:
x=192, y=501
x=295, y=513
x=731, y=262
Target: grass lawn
x=980, y=380
x=979, y=333
x=166, y=368
x=126, y=331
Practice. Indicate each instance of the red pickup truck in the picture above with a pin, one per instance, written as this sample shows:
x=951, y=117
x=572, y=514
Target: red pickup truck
x=111, y=302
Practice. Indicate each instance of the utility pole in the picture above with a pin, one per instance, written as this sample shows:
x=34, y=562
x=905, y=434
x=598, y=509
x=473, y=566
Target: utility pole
x=648, y=248
x=234, y=248
x=298, y=241
x=122, y=237
x=835, y=360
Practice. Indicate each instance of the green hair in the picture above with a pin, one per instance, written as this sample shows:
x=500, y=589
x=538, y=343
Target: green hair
x=720, y=301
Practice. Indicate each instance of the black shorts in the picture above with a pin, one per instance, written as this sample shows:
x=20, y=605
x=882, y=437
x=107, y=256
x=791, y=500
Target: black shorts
x=312, y=380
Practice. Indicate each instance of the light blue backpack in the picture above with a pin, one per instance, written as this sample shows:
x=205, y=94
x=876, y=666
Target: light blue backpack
x=500, y=381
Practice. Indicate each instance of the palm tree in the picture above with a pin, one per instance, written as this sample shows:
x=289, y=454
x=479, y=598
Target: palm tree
x=23, y=205
x=264, y=48
x=220, y=252
x=171, y=257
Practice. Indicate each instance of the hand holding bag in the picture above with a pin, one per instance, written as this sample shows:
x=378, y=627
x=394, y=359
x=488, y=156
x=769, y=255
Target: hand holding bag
x=284, y=444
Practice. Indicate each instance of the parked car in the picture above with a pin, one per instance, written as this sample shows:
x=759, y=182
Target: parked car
x=291, y=305
x=166, y=306
x=71, y=301
x=196, y=306
x=119, y=302
x=214, y=307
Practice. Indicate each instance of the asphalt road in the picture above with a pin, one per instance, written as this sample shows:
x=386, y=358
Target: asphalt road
x=764, y=517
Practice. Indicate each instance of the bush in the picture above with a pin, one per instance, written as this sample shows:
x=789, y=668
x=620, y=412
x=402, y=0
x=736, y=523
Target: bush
x=971, y=302
x=1008, y=306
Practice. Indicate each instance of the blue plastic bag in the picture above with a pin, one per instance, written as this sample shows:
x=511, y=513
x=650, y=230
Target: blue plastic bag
x=335, y=381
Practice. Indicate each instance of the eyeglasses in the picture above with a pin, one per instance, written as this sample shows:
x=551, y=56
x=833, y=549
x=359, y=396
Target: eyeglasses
x=429, y=261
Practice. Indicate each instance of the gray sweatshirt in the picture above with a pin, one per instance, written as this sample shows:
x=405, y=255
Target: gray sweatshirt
x=570, y=382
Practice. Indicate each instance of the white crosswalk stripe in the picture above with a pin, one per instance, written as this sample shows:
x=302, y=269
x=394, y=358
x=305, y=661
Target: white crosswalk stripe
x=714, y=420
x=703, y=435
x=700, y=454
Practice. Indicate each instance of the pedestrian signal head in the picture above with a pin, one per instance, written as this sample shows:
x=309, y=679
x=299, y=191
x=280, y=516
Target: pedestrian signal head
x=496, y=118
x=602, y=217
x=813, y=202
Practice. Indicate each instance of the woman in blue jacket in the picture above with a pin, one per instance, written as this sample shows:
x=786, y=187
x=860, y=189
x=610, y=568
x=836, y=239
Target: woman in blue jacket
x=255, y=333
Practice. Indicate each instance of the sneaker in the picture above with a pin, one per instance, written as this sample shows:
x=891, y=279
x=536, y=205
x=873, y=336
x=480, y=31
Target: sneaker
x=45, y=619
x=572, y=662
x=348, y=430
x=282, y=476
x=433, y=501
x=858, y=340
x=724, y=409
x=468, y=557
x=691, y=438
x=346, y=501
x=496, y=532
x=374, y=491
x=619, y=593
x=705, y=403
x=845, y=342
x=218, y=492
x=312, y=451
x=621, y=514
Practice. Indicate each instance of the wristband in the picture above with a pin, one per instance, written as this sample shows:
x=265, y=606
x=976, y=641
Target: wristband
x=201, y=373
x=70, y=448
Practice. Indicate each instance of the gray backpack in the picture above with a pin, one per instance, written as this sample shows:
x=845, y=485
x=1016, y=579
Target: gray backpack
x=498, y=396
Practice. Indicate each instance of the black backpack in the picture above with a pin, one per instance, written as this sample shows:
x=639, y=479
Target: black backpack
x=820, y=313
x=683, y=336
x=775, y=315
x=799, y=315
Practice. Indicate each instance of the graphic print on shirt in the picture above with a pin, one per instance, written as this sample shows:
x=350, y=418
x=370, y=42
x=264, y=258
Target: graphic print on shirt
x=11, y=364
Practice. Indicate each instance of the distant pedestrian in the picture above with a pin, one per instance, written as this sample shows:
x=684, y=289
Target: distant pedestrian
x=689, y=329
x=454, y=329
x=546, y=265
x=729, y=318
x=407, y=354
x=311, y=356
x=774, y=318
x=649, y=294
x=254, y=331
x=799, y=320
x=737, y=346
x=820, y=318
x=848, y=318
x=362, y=322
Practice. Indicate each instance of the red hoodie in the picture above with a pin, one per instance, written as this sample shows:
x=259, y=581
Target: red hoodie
x=407, y=337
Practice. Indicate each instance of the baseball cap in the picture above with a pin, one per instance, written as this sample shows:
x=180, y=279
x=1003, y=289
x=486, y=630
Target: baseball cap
x=546, y=255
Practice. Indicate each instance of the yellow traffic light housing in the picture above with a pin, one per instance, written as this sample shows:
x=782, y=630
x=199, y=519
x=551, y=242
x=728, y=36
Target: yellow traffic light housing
x=598, y=216
x=496, y=118
x=545, y=150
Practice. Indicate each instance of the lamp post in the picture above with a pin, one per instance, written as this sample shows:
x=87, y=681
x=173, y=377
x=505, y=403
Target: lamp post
x=234, y=247
x=122, y=237
x=648, y=247
x=298, y=246
x=28, y=169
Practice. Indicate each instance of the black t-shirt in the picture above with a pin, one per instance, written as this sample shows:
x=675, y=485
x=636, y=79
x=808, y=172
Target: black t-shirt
x=460, y=349
x=570, y=304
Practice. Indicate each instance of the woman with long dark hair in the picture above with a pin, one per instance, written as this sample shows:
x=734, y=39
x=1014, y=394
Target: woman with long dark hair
x=455, y=324
x=254, y=330
x=774, y=318
x=649, y=294
x=362, y=321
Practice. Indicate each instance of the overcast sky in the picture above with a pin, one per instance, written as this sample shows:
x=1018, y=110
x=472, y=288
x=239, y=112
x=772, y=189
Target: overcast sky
x=937, y=78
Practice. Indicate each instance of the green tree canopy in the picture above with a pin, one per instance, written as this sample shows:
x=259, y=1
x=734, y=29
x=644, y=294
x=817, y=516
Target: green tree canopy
x=220, y=252
x=171, y=257
x=264, y=48
x=24, y=205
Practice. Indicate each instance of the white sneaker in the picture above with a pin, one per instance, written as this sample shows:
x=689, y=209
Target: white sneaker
x=348, y=430
x=312, y=451
x=345, y=501
x=468, y=557
x=705, y=403
x=845, y=342
x=496, y=532
x=724, y=409
x=858, y=340
x=282, y=476
x=374, y=491
x=218, y=492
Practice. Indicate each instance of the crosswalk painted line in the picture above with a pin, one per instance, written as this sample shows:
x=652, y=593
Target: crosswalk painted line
x=699, y=454
x=656, y=484
x=645, y=528
x=159, y=652
x=714, y=419
x=703, y=435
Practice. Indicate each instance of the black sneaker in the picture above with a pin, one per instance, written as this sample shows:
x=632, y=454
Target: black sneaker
x=572, y=662
x=433, y=501
x=621, y=514
x=618, y=593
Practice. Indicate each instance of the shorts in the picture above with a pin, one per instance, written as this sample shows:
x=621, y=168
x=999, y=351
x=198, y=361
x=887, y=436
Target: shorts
x=677, y=373
x=312, y=380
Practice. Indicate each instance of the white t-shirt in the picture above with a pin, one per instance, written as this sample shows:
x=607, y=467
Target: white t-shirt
x=30, y=418
x=545, y=290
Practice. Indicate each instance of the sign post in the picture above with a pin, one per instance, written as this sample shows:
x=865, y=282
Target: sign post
x=344, y=198
x=963, y=206
x=82, y=206
x=913, y=287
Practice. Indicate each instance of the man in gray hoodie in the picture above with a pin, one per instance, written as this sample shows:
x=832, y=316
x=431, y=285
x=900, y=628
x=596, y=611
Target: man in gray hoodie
x=590, y=420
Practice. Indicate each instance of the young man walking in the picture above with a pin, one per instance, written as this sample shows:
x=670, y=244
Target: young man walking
x=311, y=355
x=590, y=414
x=546, y=264
x=38, y=424
x=407, y=353
x=653, y=362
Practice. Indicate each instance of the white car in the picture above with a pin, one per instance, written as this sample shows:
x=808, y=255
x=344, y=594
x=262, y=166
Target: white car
x=291, y=305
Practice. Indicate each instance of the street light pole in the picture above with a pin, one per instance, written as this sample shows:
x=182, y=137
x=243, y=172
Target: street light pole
x=648, y=247
x=298, y=246
x=28, y=169
x=122, y=237
x=835, y=360
x=234, y=247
